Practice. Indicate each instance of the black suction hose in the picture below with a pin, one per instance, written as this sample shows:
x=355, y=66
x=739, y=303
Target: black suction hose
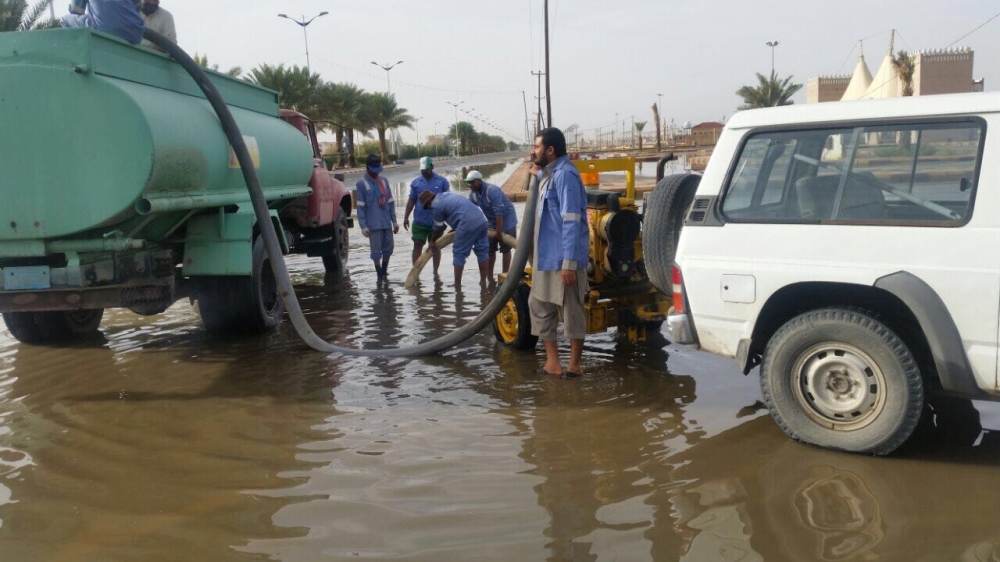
x=277, y=260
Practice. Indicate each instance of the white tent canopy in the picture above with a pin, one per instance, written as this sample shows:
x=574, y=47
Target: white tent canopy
x=860, y=81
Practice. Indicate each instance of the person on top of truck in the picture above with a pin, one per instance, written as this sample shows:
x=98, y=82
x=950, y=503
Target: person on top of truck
x=451, y=209
x=159, y=20
x=117, y=17
x=377, y=214
x=423, y=220
x=499, y=212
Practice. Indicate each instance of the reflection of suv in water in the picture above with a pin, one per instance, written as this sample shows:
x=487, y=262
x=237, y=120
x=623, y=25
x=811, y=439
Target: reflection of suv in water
x=851, y=250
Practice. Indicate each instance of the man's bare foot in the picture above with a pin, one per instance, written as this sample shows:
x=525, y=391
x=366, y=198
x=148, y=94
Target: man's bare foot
x=555, y=371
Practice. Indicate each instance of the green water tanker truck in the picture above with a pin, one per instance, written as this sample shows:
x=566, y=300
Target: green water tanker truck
x=118, y=188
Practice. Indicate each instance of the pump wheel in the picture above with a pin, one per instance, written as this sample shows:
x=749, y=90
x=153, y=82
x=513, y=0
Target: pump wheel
x=336, y=261
x=242, y=304
x=512, y=325
x=663, y=215
x=51, y=327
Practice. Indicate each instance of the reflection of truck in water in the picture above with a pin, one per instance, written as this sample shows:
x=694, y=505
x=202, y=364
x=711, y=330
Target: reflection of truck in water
x=120, y=190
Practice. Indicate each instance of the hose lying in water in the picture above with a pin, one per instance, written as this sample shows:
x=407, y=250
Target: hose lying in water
x=277, y=260
x=445, y=240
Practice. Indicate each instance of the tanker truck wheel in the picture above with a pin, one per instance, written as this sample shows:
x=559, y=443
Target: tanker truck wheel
x=336, y=261
x=240, y=304
x=51, y=327
x=512, y=325
x=663, y=215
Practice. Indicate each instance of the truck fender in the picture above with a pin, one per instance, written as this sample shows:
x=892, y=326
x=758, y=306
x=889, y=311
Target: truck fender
x=950, y=359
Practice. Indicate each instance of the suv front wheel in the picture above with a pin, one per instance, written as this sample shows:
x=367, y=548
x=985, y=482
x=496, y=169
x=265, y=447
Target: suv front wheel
x=841, y=379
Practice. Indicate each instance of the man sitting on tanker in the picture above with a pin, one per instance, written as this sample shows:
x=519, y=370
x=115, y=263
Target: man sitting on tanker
x=499, y=212
x=117, y=17
x=377, y=214
x=452, y=209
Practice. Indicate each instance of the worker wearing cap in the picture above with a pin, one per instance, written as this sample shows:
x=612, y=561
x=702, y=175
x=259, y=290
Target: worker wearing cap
x=117, y=17
x=377, y=214
x=499, y=212
x=423, y=219
x=470, y=225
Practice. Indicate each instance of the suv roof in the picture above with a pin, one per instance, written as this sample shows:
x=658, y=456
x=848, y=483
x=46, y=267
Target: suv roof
x=919, y=106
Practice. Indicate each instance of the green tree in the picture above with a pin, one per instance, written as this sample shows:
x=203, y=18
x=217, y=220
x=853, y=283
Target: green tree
x=639, y=126
x=202, y=61
x=16, y=15
x=465, y=132
x=769, y=92
x=905, y=66
x=386, y=114
x=297, y=88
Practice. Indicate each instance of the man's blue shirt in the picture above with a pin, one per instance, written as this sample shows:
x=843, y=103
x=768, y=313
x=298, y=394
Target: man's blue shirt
x=117, y=17
x=494, y=202
x=436, y=184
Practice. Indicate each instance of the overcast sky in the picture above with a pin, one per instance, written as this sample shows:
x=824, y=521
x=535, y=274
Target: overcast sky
x=607, y=56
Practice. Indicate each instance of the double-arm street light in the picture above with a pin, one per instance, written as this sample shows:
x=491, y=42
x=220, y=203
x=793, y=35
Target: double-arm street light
x=455, y=140
x=387, y=68
x=304, y=23
x=436, y=123
x=772, y=44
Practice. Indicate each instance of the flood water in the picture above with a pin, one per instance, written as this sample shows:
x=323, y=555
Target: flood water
x=159, y=442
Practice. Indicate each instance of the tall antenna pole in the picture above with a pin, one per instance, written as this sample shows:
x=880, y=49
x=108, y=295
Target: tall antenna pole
x=527, y=133
x=548, y=83
x=538, y=125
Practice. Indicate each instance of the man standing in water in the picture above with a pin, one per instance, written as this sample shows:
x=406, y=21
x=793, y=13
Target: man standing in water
x=451, y=209
x=423, y=219
x=377, y=215
x=561, y=252
x=499, y=212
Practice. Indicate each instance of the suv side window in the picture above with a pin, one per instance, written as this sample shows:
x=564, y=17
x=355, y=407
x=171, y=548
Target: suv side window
x=915, y=173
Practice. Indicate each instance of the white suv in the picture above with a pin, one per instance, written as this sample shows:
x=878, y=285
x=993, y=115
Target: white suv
x=852, y=250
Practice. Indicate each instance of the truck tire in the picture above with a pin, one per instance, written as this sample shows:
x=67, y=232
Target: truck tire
x=512, y=325
x=242, y=304
x=663, y=215
x=52, y=327
x=336, y=261
x=840, y=379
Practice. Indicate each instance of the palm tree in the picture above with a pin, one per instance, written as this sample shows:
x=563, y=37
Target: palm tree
x=769, y=92
x=463, y=131
x=385, y=115
x=656, y=116
x=639, y=126
x=297, y=88
x=202, y=61
x=16, y=16
x=905, y=66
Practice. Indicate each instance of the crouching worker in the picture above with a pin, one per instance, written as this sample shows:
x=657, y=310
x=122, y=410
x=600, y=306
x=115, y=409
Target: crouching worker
x=454, y=210
x=499, y=212
x=377, y=215
x=117, y=17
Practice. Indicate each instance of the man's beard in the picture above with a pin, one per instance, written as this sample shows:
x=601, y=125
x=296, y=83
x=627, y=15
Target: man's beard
x=542, y=161
x=149, y=10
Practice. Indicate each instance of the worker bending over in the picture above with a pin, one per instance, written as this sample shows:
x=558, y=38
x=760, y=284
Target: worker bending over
x=469, y=223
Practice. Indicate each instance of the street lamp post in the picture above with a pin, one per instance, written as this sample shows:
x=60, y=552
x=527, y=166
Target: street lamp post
x=388, y=85
x=455, y=105
x=436, y=123
x=416, y=126
x=304, y=23
x=772, y=44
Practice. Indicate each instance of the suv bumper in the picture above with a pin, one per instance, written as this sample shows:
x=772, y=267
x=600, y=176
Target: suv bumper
x=680, y=327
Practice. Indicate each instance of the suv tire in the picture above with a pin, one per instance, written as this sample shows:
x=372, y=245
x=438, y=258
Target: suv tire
x=663, y=214
x=841, y=379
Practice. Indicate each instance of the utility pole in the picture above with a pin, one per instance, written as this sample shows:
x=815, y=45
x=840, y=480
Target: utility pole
x=52, y=9
x=548, y=70
x=527, y=132
x=416, y=127
x=772, y=44
x=539, y=123
x=455, y=140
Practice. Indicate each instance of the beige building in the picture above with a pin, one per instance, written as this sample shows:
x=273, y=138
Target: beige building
x=935, y=72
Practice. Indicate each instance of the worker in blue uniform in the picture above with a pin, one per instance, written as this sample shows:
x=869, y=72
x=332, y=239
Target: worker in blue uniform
x=377, y=214
x=499, y=212
x=470, y=225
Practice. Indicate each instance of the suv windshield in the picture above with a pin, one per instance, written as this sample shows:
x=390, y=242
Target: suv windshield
x=913, y=173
